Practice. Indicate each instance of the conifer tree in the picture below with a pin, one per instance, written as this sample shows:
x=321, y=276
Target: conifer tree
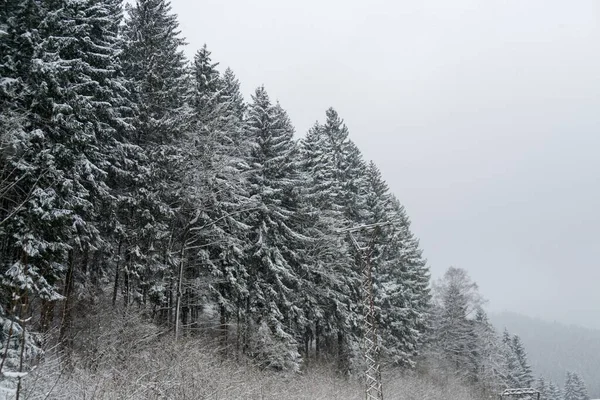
x=273, y=261
x=69, y=114
x=570, y=392
x=349, y=173
x=542, y=387
x=512, y=378
x=125, y=160
x=575, y=388
x=524, y=374
x=554, y=392
x=36, y=234
x=580, y=388
x=236, y=110
x=401, y=279
x=491, y=366
x=155, y=68
x=70, y=102
x=456, y=297
x=218, y=172
x=349, y=167
x=330, y=314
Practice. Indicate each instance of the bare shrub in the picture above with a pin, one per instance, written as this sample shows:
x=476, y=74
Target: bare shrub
x=133, y=359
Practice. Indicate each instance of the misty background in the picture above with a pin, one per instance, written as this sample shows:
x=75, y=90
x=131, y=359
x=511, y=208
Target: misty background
x=483, y=117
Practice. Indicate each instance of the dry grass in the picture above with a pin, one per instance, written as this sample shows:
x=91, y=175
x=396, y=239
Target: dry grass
x=132, y=360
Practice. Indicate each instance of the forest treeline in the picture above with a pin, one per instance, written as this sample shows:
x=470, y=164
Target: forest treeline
x=133, y=178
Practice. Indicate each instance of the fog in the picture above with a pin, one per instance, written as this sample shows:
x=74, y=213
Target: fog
x=484, y=117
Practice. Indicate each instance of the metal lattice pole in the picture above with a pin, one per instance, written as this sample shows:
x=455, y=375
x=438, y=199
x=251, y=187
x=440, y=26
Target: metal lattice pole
x=371, y=340
x=373, y=387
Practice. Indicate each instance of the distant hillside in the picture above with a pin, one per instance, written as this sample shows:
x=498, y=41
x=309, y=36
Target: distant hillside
x=555, y=348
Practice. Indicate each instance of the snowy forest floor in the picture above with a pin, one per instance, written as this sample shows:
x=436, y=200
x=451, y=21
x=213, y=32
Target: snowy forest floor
x=134, y=360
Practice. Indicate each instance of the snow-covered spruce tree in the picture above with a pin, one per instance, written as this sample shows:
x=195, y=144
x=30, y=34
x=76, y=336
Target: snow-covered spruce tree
x=236, y=109
x=542, y=386
x=109, y=115
x=554, y=392
x=524, y=374
x=569, y=390
x=401, y=278
x=32, y=253
x=17, y=23
x=512, y=366
x=491, y=371
x=456, y=297
x=349, y=167
x=273, y=258
x=65, y=62
x=331, y=317
x=19, y=350
x=206, y=94
x=575, y=388
x=580, y=388
x=350, y=174
x=414, y=273
x=219, y=197
x=155, y=67
x=103, y=46
x=30, y=258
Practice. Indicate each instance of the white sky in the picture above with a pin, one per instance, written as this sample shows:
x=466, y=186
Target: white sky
x=484, y=117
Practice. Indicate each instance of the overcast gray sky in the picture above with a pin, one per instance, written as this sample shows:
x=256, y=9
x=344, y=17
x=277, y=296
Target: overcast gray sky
x=484, y=117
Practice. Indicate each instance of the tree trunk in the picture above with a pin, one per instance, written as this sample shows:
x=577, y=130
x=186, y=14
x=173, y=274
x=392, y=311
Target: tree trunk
x=23, y=317
x=67, y=293
x=317, y=341
x=223, y=331
x=46, y=315
x=116, y=282
x=245, y=336
x=238, y=332
x=178, y=295
x=307, y=341
x=342, y=361
x=126, y=280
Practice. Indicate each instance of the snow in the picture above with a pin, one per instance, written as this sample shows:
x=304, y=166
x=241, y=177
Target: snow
x=10, y=374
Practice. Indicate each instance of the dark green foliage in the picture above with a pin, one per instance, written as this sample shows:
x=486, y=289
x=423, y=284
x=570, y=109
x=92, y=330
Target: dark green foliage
x=129, y=174
x=155, y=68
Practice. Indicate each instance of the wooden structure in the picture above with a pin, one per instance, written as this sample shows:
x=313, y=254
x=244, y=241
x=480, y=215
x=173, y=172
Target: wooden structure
x=524, y=393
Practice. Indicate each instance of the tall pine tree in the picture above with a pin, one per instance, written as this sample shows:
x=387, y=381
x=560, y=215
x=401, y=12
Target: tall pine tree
x=331, y=315
x=219, y=196
x=524, y=372
x=401, y=278
x=273, y=258
x=456, y=297
x=155, y=67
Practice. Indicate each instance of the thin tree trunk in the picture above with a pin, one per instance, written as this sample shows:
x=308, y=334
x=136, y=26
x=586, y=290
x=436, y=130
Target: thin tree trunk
x=116, y=284
x=180, y=280
x=178, y=295
x=238, y=330
x=95, y=268
x=46, y=315
x=342, y=364
x=126, y=285
x=307, y=335
x=67, y=293
x=245, y=337
x=23, y=318
x=317, y=341
x=85, y=261
x=24, y=307
x=223, y=329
